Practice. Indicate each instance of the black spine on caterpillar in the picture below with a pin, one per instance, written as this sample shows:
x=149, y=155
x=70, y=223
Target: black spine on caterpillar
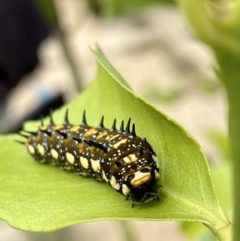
x=119, y=157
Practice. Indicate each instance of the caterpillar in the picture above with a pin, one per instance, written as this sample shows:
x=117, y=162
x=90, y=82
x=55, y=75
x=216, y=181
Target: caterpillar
x=125, y=161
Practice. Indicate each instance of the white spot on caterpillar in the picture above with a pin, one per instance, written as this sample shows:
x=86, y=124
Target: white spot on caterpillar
x=155, y=159
x=114, y=183
x=157, y=175
x=54, y=153
x=125, y=189
x=104, y=176
x=41, y=149
x=95, y=164
x=84, y=162
x=31, y=149
x=70, y=157
x=116, y=145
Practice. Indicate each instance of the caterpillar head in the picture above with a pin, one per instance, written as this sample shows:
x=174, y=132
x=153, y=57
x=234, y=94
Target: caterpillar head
x=140, y=181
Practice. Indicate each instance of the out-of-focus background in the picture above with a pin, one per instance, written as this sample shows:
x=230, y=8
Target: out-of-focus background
x=45, y=62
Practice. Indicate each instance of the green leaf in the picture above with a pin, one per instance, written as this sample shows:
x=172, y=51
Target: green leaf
x=37, y=197
x=222, y=176
x=113, y=8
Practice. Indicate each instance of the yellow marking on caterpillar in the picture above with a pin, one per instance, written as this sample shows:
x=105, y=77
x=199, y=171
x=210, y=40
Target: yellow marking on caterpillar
x=84, y=162
x=59, y=127
x=114, y=183
x=95, y=165
x=130, y=158
x=125, y=189
x=116, y=145
x=101, y=135
x=54, y=153
x=108, y=137
x=41, y=149
x=70, y=157
x=74, y=128
x=126, y=159
x=113, y=137
x=31, y=149
x=90, y=132
x=140, y=178
x=43, y=128
x=81, y=147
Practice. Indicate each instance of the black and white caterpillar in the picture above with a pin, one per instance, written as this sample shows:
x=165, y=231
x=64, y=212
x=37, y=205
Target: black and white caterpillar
x=121, y=158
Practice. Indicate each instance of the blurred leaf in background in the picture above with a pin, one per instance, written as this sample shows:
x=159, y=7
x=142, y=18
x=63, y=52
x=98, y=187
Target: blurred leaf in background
x=114, y=8
x=48, y=11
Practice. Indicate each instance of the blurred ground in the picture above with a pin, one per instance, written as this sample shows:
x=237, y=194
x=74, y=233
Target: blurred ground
x=161, y=61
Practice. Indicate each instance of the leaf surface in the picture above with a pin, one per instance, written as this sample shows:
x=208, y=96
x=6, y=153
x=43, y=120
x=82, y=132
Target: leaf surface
x=37, y=197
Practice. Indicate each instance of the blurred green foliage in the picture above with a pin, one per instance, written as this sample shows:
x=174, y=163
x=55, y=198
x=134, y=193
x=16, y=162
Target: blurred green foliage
x=48, y=11
x=114, y=8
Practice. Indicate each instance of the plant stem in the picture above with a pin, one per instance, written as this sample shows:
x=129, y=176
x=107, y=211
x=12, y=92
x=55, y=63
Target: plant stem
x=230, y=74
x=72, y=64
x=49, y=11
x=224, y=234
